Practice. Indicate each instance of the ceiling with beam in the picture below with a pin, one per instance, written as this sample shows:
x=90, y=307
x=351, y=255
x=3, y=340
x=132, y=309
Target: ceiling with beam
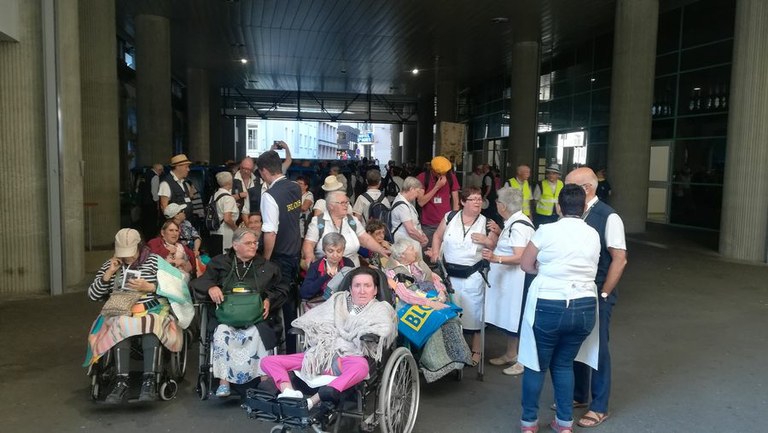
x=366, y=46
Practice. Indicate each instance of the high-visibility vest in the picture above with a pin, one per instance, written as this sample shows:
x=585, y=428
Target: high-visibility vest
x=546, y=204
x=526, y=190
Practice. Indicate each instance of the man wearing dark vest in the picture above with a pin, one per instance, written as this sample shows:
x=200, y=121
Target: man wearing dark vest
x=150, y=209
x=280, y=212
x=610, y=267
x=173, y=189
x=246, y=188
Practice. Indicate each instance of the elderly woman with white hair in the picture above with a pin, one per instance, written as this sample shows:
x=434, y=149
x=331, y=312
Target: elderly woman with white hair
x=412, y=280
x=337, y=220
x=404, y=216
x=226, y=207
x=506, y=294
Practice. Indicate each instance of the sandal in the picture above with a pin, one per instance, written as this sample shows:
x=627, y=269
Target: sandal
x=560, y=428
x=476, y=361
x=592, y=420
x=529, y=429
x=502, y=360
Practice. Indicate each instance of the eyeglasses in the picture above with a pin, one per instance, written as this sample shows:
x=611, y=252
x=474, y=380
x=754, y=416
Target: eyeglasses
x=249, y=243
x=343, y=203
x=474, y=199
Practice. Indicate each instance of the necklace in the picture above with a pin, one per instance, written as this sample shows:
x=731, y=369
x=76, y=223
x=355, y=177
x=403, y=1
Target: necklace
x=466, y=232
x=248, y=267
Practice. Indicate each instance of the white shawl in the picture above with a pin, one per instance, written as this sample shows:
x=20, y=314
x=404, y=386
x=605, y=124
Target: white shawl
x=331, y=331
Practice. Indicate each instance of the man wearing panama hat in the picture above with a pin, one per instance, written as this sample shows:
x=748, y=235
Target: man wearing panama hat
x=173, y=189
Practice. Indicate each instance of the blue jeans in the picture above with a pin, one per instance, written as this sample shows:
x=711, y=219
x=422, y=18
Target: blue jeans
x=598, y=380
x=559, y=329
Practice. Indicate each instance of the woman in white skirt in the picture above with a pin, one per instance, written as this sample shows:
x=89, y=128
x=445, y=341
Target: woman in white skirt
x=505, y=296
x=462, y=236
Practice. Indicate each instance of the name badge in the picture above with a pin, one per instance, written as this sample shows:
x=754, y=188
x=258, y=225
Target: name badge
x=437, y=200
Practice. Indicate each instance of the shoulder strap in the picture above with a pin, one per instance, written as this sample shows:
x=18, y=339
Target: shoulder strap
x=320, y=226
x=398, y=203
x=450, y=216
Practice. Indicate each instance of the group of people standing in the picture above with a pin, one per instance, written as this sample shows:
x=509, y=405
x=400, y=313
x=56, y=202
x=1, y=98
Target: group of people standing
x=542, y=263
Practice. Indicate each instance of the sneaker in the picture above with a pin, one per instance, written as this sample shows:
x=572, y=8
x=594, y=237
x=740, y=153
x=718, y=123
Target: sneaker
x=515, y=370
x=148, y=388
x=223, y=391
x=290, y=393
x=118, y=393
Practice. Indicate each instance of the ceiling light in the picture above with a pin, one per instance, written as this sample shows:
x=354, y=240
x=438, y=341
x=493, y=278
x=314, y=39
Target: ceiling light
x=415, y=71
x=697, y=88
x=592, y=80
x=243, y=60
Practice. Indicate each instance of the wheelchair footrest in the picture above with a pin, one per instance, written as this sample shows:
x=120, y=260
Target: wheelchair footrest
x=262, y=404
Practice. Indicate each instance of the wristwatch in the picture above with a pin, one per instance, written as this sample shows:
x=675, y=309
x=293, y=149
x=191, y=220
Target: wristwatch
x=604, y=295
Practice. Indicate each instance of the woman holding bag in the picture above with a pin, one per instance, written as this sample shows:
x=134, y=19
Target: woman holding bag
x=128, y=282
x=244, y=288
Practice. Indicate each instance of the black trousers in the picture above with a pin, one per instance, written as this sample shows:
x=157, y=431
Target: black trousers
x=289, y=270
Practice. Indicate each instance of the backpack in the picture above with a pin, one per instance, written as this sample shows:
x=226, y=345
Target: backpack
x=390, y=188
x=376, y=207
x=212, y=220
x=386, y=218
x=321, y=225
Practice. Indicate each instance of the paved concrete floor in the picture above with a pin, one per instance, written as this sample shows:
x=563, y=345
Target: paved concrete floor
x=689, y=344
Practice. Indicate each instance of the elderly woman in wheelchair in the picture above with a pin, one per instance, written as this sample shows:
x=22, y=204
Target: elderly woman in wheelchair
x=419, y=290
x=128, y=282
x=244, y=288
x=350, y=341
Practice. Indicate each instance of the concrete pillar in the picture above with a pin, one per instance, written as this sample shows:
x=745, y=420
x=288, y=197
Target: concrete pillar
x=425, y=111
x=409, y=144
x=744, y=225
x=396, y=151
x=100, y=114
x=523, y=122
x=153, y=83
x=446, y=104
x=634, y=60
x=23, y=218
x=198, y=112
x=71, y=145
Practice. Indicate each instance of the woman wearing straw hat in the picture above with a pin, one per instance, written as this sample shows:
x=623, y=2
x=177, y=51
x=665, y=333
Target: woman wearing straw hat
x=331, y=184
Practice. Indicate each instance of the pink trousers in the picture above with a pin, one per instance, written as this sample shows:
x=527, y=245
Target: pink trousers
x=353, y=369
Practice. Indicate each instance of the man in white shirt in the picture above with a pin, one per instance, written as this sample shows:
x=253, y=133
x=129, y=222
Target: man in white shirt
x=372, y=194
x=613, y=260
x=173, y=188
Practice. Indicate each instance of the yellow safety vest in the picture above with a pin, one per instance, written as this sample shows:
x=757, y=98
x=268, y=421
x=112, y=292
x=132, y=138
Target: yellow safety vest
x=546, y=204
x=526, y=190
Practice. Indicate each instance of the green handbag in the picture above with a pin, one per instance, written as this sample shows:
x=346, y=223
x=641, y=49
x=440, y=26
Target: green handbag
x=240, y=310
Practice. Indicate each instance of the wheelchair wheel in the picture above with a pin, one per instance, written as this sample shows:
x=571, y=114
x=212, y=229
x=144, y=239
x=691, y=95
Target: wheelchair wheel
x=168, y=390
x=202, y=387
x=179, y=359
x=399, y=393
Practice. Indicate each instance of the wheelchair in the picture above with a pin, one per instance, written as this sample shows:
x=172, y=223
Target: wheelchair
x=173, y=368
x=205, y=309
x=387, y=399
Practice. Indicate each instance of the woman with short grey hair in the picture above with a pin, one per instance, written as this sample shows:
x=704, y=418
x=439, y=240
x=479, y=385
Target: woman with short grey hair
x=506, y=294
x=403, y=215
x=228, y=212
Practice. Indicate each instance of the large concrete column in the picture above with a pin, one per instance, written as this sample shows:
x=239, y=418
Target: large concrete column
x=23, y=217
x=744, y=225
x=198, y=111
x=71, y=145
x=100, y=114
x=409, y=144
x=634, y=60
x=153, y=82
x=446, y=103
x=523, y=119
x=396, y=151
x=424, y=127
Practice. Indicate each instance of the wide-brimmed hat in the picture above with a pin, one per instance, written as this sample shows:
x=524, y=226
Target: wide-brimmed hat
x=332, y=184
x=440, y=165
x=554, y=168
x=173, y=209
x=180, y=159
x=126, y=243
